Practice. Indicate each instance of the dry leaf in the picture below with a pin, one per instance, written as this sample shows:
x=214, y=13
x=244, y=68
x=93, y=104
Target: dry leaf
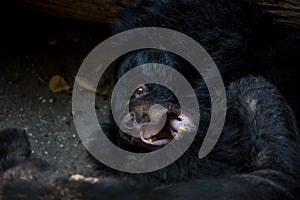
x=58, y=84
x=86, y=84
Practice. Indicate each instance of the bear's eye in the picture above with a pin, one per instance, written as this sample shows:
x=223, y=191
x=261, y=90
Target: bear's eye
x=140, y=90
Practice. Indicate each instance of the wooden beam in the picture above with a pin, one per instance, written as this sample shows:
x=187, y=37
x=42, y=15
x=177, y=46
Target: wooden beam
x=283, y=11
x=105, y=11
x=102, y=11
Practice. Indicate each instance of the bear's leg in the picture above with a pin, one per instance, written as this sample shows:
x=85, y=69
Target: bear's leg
x=14, y=148
x=271, y=125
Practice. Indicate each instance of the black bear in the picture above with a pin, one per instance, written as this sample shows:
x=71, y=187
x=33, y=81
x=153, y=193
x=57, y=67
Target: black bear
x=241, y=40
x=257, y=155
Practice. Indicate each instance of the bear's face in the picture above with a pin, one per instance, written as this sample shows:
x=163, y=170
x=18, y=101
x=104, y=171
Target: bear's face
x=155, y=118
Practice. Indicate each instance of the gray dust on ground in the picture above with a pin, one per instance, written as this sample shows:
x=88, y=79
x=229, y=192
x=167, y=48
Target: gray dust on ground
x=33, y=49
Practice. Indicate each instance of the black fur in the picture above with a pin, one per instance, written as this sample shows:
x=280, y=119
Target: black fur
x=237, y=35
x=14, y=148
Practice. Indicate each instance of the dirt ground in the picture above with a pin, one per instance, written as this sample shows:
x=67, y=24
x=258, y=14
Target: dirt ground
x=33, y=48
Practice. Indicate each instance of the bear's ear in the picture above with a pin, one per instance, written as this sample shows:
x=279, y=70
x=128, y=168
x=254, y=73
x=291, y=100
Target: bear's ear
x=14, y=147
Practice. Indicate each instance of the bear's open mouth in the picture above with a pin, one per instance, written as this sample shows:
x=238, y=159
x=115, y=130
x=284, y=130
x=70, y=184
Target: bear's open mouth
x=160, y=132
x=174, y=128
